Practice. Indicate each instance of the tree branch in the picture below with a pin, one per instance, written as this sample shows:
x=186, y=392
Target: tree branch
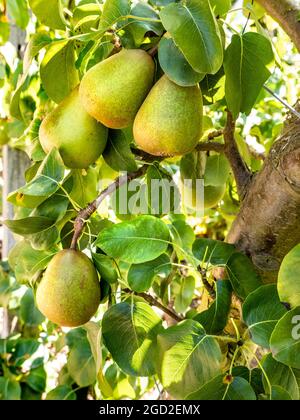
x=213, y=134
x=241, y=173
x=211, y=146
x=85, y=214
x=154, y=302
x=286, y=13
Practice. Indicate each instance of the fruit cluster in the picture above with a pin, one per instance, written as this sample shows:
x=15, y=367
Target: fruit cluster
x=116, y=93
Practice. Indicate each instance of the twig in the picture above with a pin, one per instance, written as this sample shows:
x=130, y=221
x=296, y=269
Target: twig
x=154, y=302
x=213, y=134
x=85, y=214
x=240, y=171
x=211, y=146
x=284, y=103
x=145, y=156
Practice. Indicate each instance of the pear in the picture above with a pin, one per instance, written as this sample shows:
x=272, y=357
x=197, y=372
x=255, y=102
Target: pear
x=69, y=292
x=113, y=90
x=169, y=123
x=79, y=138
x=212, y=196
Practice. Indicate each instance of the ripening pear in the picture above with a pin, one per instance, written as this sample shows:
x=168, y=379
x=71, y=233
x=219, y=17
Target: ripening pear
x=212, y=196
x=169, y=123
x=79, y=138
x=113, y=90
x=69, y=292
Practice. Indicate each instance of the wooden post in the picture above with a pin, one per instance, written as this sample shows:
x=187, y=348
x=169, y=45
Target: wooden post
x=14, y=164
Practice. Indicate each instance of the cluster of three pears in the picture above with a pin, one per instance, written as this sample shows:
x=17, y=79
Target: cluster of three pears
x=112, y=94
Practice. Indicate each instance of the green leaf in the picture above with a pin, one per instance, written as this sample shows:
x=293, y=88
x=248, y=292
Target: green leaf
x=84, y=188
x=117, y=153
x=137, y=241
x=280, y=375
x=29, y=313
x=245, y=64
x=18, y=11
x=242, y=275
x=24, y=349
x=163, y=195
x=4, y=33
x=9, y=389
x=54, y=207
x=212, y=251
x=261, y=311
x=46, y=182
x=45, y=239
x=129, y=200
x=51, y=16
x=138, y=28
x=58, y=73
x=220, y=7
x=81, y=363
x=288, y=284
x=189, y=358
x=279, y=393
x=130, y=333
x=285, y=339
x=214, y=319
x=175, y=65
x=201, y=44
x=218, y=389
x=112, y=11
x=184, y=293
x=192, y=165
x=94, y=337
x=216, y=170
x=28, y=225
x=36, y=378
x=61, y=392
x=35, y=44
x=106, y=267
x=141, y=276
x=26, y=262
x=183, y=237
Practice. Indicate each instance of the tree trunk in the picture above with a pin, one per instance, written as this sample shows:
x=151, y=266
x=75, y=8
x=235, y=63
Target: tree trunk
x=268, y=224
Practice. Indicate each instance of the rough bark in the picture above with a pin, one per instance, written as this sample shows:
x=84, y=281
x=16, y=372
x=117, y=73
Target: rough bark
x=286, y=13
x=268, y=224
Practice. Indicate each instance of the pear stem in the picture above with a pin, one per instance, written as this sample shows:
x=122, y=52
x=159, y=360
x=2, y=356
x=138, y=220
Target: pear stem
x=153, y=51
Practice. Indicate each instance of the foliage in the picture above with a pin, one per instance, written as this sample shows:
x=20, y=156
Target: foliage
x=156, y=270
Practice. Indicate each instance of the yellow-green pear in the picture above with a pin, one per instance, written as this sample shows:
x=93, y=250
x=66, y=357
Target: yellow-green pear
x=69, y=292
x=212, y=196
x=169, y=123
x=79, y=138
x=113, y=90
